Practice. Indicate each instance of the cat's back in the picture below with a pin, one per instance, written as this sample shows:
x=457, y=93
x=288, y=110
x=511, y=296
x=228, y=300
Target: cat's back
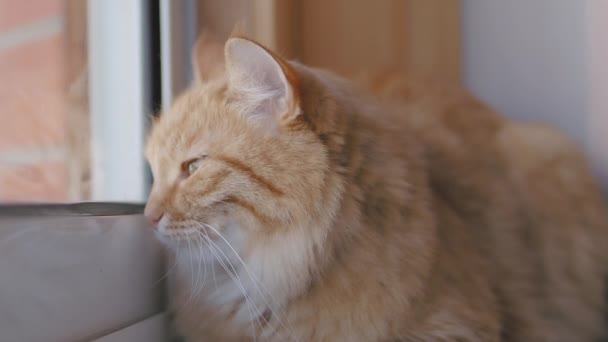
x=565, y=207
x=527, y=191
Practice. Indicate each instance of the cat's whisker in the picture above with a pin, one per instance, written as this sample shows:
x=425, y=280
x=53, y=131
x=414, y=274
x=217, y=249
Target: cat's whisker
x=169, y=271
x=250, y=305
x=252, y=277
x=214, y=248
x=198, y=273
x=258, y=313
x=204, y=261
x=248, y=300
x=255, y=281
x=191, y=263
x=191, y=275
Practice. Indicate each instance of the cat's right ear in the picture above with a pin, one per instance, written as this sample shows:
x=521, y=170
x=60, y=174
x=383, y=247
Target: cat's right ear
x=207, y=57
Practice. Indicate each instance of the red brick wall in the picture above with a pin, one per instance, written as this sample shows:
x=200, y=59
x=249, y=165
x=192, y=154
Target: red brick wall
x=33, y=157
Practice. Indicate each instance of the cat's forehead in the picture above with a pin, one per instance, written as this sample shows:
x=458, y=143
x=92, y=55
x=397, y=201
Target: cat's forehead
x=198, y=117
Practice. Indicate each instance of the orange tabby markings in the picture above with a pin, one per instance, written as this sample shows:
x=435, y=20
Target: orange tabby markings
x=234, y=163
x=411, y=212
x=215, y=182
x=266, y=221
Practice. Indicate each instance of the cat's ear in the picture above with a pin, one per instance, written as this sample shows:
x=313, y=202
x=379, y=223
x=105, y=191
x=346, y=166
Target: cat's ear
x=208, y=57
x=263, y=82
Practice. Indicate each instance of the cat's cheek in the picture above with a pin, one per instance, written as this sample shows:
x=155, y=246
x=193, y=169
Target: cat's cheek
x=224, y=220
x=234, y=234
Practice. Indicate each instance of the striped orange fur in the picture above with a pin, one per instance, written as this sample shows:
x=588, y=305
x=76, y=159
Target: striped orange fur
x=309, y=208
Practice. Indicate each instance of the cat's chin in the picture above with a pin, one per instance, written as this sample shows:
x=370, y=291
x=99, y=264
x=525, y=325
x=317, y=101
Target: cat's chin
x=186, y=233
x=193, y=252
x=169, y=241
x=183, y=240
x=226, y=241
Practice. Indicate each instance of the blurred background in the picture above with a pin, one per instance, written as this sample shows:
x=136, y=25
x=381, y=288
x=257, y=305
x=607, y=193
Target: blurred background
x=79, y=78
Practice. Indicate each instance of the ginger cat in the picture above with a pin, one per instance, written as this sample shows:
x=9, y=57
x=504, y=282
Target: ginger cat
x=301, y=208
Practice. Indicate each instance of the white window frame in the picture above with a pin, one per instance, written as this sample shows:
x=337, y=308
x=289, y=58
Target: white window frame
x=119, y=98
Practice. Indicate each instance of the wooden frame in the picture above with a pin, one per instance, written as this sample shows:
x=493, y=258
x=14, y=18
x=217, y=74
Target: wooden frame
x=420, y=37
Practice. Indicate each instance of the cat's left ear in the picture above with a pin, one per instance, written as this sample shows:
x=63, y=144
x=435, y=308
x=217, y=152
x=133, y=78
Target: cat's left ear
x=207, y=57
x=264, y=83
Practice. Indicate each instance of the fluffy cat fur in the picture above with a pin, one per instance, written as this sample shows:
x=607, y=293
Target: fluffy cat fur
x=302, y=207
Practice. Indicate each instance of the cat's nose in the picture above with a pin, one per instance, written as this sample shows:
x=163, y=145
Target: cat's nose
x=157, y=218
x=154, y=217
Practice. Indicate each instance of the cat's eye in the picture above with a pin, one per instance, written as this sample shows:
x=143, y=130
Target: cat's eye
x=190, y=166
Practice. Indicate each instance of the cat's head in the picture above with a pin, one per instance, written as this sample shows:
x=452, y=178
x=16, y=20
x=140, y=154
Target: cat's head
x=236, y=155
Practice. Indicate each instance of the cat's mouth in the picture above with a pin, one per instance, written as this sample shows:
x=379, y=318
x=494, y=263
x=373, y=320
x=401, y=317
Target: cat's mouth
x=189, y=230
